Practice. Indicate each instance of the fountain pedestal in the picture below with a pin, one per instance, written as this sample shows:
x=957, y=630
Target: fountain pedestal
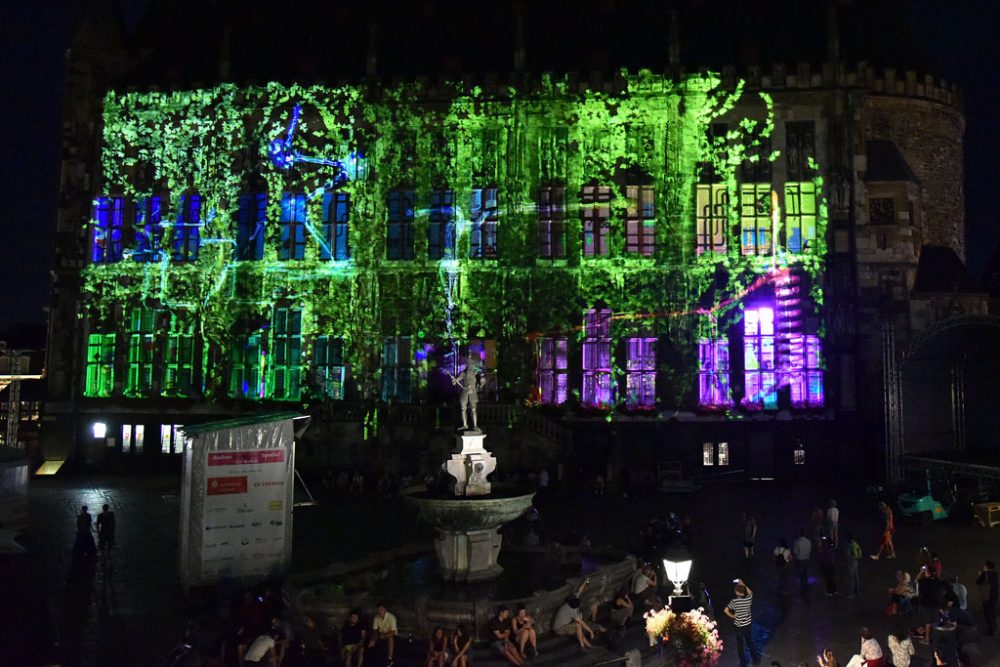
x=471, y=464
x=468, y=539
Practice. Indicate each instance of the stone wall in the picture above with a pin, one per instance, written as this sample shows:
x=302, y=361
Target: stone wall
x=929, y=136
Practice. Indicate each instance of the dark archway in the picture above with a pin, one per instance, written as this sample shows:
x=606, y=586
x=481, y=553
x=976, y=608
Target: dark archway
x=949, y=381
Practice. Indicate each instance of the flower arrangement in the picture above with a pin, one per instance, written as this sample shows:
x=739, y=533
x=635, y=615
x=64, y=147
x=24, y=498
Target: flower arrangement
x=692, y=633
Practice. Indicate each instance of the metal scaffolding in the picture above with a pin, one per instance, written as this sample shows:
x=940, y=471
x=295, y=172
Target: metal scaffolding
x=892, y=406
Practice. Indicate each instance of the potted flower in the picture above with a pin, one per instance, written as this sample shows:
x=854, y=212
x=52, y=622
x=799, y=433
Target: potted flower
x=692, y=634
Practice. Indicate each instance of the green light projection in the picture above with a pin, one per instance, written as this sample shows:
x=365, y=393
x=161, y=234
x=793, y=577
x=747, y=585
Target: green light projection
x=655, y=132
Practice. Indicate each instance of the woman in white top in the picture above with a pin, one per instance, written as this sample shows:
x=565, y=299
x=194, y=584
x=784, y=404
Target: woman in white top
x=900, y=647
x=871, y=652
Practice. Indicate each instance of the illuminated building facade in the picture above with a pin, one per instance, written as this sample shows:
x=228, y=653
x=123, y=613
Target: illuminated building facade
x=709, y=254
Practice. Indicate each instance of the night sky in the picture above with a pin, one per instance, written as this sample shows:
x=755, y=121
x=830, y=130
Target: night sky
x=959, y=40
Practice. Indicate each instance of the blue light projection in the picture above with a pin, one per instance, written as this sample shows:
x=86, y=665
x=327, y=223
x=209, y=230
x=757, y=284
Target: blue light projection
x=284, y=156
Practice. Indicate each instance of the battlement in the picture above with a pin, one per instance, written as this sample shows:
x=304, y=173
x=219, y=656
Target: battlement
x=778, y=77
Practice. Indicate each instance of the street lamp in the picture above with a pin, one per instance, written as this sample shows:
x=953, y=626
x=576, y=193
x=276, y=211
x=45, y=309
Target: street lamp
x=678, y=571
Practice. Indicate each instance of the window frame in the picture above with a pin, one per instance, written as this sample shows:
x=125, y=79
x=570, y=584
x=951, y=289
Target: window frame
x=336, y=226
x=442, y=237
x=106, y=229
x=329, y=370
x=597, y=388
x=292, y=224
x=284, y=372
x=484, y=220
x=251, y=226
x=595, y=220
x=551, y=222
x=400, y=225
x=99, y=378
x=711, y=208
x=640, y=220
x=186, y=240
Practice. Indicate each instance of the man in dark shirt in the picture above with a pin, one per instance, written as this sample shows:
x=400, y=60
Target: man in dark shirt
x=85, y=546
x=500, y=637
x=988, y=579
x=106, y=529
x=739, y=609
x=352, y=640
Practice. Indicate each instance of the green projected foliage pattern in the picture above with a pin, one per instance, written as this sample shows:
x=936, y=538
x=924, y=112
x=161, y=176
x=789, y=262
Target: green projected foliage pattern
x=503, y=216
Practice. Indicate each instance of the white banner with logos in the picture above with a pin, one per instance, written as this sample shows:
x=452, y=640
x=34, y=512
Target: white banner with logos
x=236, y=510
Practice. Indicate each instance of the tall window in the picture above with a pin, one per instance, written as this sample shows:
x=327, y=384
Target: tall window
x=640, y=380
x=187, y=230
x=293, y=226
x=552, y=223
x=806, y=382
x=133, y=438
x=397, y=370
x=597, y=377
x=328, y=364
x=141, y=351
x=251, y=221
x=336, y=214
x=106, y=230
x=759, y=381
x=712, y=217
x=755, y=218
x=800, y=145
x=171, y=440
x=595, y=209
x=553, y=384
x=178, y=358
x=399, y=235
x=286, y=354
x=148, y=229
x=800, y=216
x=640, y=221
x=245, y=365
x=100, y=365
x=483, y=228
x=713, y=373
x=441, y=225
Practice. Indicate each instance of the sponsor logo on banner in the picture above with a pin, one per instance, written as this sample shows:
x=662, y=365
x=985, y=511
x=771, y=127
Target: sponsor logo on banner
x=276, y=506
x=273, y=482
x=220, y=486
x=253, y=456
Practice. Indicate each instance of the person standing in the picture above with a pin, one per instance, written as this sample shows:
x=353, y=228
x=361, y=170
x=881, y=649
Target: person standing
x=854, y=556
x=106, y=529
x=828, y=564
x=833, y=522
x=987, y=579
x=84, y=546
x=739, y=610
x=888, y=528
x=749, y=534
x=802, y=551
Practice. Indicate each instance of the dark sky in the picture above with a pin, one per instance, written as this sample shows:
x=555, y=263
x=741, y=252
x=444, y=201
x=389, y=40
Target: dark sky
x=959, y=40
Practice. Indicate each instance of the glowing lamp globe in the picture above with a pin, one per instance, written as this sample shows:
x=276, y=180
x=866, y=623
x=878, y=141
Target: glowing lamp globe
x=677, y=573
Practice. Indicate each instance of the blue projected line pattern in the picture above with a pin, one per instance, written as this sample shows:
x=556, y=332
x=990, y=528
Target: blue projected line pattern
x=283, y=156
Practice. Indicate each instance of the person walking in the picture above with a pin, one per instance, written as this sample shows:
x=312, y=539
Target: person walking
x=888, y=528
x=749, y=534
x=106, y=529
x=84, y=546
x=802, y=551
x=990, y=586
x=739, y=610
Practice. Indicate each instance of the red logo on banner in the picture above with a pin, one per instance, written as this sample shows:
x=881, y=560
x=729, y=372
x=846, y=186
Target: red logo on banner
x=250, y=456
x=218, y=486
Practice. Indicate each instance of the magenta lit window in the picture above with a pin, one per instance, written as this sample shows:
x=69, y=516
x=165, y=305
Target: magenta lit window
x=806, y=379
x=759, y=377
x=552, y=370
x=640, y=379
x=597, y=377
x=713, y=373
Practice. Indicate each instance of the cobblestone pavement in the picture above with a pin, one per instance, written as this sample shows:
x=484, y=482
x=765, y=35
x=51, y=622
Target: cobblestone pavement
x=130, y=609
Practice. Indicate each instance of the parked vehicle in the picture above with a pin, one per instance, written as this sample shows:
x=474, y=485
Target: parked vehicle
x=927, y=500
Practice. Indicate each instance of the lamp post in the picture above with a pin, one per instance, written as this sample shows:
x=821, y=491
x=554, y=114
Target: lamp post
x=677, y=572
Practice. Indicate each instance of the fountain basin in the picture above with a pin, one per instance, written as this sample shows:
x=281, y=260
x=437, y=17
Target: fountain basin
x=406, y=580
x=468, y=538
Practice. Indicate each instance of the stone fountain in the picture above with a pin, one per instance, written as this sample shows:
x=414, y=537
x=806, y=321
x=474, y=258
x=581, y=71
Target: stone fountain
x=468, y=523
